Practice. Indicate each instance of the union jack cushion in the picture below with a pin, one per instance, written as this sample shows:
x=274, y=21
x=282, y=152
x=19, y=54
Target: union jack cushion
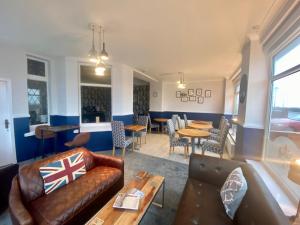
x=59, y=173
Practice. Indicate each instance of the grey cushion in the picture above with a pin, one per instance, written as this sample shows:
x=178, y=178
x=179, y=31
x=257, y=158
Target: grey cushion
x=233, y=191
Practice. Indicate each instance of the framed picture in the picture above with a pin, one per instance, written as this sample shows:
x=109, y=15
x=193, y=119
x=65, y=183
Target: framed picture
x=178, y=94
x=192, y=98
x=199, y=91
x=207, y=93
x=200, y=100
x=184, y=99
x=191, y=92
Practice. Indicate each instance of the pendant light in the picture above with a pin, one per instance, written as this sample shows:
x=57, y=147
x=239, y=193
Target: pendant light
x=100, y=67
x=93, y=51
x=181, y=84
x=104, y=54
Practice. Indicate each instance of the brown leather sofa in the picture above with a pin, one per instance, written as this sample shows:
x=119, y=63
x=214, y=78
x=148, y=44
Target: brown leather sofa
x=201, y=202
x=74, y=203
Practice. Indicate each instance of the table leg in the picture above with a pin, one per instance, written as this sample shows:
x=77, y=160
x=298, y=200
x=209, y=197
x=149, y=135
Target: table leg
x=193, y=144
x=132, y=140
x=161, y=205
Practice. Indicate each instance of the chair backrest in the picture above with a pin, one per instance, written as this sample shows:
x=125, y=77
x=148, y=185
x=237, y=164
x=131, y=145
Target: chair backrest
x=171, y=129
x=118, y=133
x=224, y=133
x=222, y=120
x=185, y=120
x=180, y=124
x=43, y=134
x=174, y=120
x=149, y=119
x=81, y=139
x=143, y=121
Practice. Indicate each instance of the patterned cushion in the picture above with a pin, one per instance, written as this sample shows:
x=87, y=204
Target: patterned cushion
x=59, y=173
x=233, y=191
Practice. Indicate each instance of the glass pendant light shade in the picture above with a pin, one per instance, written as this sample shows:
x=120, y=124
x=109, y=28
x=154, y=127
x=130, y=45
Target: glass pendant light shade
x=100, y=69
x=104, y=54
x=181, y=84
x=93, y=52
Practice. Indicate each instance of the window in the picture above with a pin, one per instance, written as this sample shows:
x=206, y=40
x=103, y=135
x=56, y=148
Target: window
x=236, y=101
x=95, y=94
x=37, y=90
x=283, y=136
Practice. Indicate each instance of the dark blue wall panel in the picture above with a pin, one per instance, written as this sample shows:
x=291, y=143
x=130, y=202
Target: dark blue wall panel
x=127, y=119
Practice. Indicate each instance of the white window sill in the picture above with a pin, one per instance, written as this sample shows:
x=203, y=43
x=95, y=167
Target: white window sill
x=95, y=127
x=286, y=205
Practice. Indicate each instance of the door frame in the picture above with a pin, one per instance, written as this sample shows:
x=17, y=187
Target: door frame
x=11, y=119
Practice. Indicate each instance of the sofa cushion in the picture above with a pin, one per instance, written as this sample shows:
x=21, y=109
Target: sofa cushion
x=201, y=204
x=233, y=191
x=63, y=171
x=61, y=205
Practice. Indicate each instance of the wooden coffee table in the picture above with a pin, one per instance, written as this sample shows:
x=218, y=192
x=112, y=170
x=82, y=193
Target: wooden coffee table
x=147, y=183
x=200, y=126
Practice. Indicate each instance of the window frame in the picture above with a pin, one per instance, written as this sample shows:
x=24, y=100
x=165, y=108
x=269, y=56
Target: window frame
x=80, y=84
x=42, y=79
x=271, y=79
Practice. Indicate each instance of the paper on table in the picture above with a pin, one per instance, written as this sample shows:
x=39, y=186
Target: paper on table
x=127, y=202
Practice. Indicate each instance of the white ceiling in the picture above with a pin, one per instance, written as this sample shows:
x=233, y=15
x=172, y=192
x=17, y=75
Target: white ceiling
x=199, y=37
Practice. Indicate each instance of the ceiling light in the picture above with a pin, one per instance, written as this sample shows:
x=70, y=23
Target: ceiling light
x=181, y=84
x=100, y=68
x=104, y=54
x=93, y=51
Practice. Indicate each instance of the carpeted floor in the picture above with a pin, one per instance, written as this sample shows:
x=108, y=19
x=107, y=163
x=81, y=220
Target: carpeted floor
x=175, y=174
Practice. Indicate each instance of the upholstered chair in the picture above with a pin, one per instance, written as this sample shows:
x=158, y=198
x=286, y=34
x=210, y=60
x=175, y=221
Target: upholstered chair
x=174, y=120
x=217, y=146
x=152, y=125
x=119, y=138
x=217, y=136
x=177, y=141
x=218, y=130
x=80, y=140
x=143, y=121
x=185, y=120
x=180, y=123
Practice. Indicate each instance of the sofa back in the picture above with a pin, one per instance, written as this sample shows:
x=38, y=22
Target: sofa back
x=258, y=206
x=31, y=182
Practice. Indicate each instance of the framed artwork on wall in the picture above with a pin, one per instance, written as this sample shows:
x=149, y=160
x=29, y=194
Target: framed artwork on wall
x=191, y=92
x=184, y=99
x=192, y=98
x=207, y=93
x=200, y=100
x=199, y=91
x=178, y=94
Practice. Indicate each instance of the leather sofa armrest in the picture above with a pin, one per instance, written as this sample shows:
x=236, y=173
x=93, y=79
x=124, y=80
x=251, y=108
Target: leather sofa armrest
x=106, y=160
x=210, y=169
x=19, y=213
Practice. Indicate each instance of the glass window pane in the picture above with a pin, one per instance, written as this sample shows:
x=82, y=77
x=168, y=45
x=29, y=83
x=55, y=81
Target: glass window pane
x=284, y=136
x=37, y=101
x=87, y=75
x=35, y=67
x=95, y=104
x=287, y=58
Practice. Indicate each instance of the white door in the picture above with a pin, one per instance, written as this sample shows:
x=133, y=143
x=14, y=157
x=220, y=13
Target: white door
x=7, y=153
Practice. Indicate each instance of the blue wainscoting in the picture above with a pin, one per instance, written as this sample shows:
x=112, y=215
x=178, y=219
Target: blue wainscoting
x=214, y=117
x=127, y=119
x=249, y=143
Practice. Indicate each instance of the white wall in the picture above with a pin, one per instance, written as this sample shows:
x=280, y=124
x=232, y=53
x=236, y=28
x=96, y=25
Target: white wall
x=215, y=104
x=156, y=102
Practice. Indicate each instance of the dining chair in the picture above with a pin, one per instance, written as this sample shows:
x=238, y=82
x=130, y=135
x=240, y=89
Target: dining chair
x=174, y=120
x=42, y=136
x=152, y=125
x=180, y=124
x=119, y=138
x=143, y=121
x=79, y=140
x=217, y=136
x=185, y=120
x=218, y=130
x=217, y=146
x=176, y=141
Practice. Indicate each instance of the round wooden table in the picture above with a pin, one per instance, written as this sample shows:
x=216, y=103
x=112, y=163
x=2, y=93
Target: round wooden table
x=200, y=126
x=161, y=121
x=193, y=133
x=202, y=122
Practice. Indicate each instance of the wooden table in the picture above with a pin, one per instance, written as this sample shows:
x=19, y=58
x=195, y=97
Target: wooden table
x=202, y=122
x=200, y=126
x=134, y=128
x=193, y=133
x=161, y=121
x=56, y=129
x=147, y=183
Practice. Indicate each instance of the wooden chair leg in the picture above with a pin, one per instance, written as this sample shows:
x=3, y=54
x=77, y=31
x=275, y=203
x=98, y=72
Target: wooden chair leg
x=113, y=151
x=123, y=152
x=173, y=148
x=170, y=150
